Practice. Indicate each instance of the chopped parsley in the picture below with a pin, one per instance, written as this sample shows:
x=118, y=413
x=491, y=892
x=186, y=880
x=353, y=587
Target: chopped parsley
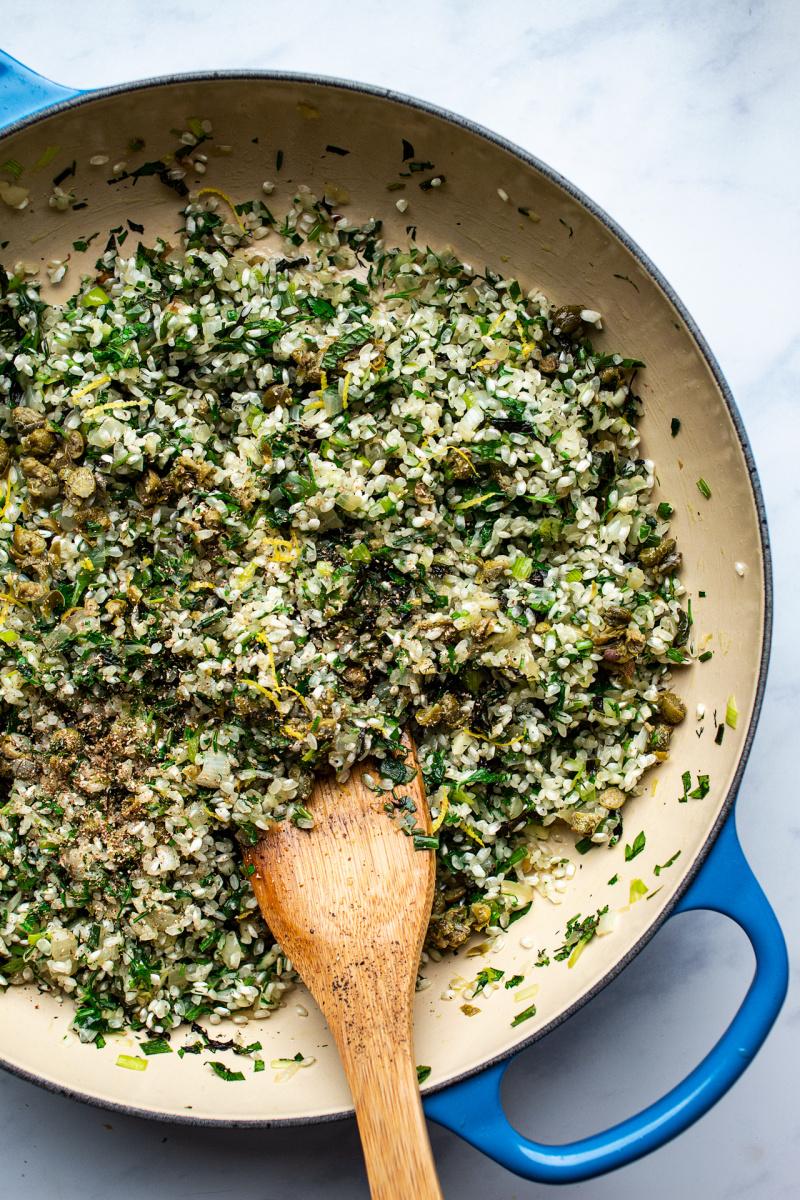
x=668, y=863
x=638, y=846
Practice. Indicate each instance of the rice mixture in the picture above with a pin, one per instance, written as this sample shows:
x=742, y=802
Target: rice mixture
x=258, y=514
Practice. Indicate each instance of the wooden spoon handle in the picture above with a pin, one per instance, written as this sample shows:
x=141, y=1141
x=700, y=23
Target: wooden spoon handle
x=394, y=1136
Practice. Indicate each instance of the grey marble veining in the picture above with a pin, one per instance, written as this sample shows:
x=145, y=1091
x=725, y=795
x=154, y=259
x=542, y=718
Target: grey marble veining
x=681, y=121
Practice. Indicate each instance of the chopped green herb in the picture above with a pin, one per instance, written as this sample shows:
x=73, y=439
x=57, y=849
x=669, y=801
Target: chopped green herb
x=423, y=1073
x=675, y=426
x=514, y=981
x=525, y=1015
x=704, y=488
x=613, y=879
x=578, y=934
x=519, y=912
x=668, y=863
x=155, y=1046
x=702, y=788
x=705, y=656
x=636, y=848
x=353, y=340
x=225, y=1072
x=720, y=735
x=487, y=976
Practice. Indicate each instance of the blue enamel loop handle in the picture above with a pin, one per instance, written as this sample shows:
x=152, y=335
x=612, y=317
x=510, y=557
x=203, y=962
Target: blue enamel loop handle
x=473, y=1109
x=23, y=92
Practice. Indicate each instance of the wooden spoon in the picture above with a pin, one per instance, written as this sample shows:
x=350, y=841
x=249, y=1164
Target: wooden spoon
x=349, y=903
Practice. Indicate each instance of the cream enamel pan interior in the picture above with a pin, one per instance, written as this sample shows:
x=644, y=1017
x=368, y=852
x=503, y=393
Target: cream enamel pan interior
x=575, y=254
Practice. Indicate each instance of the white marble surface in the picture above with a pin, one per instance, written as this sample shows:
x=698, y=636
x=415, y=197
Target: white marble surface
x=681, y=122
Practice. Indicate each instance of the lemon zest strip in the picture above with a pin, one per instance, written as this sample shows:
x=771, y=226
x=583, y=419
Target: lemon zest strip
x=91, y=387
x=216, y=192
x=98, y=408
x=9, y=493
x=437, y=824
x=469, y=833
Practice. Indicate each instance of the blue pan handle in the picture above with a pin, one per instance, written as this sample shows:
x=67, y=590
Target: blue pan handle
x=474, y=1111
x=23, y=92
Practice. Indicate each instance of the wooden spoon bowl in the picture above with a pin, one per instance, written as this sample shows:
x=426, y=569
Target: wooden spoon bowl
x=349, y=902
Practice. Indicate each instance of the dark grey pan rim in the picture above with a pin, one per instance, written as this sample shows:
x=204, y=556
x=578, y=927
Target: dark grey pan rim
x=755, y=485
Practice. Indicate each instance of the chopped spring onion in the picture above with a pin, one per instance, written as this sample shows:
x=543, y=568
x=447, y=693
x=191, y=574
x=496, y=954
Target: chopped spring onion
x=731, y=712
x=132, y=1062
x=525, y=1015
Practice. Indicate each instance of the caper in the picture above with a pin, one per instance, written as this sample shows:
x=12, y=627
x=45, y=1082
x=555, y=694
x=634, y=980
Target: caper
x=585, y=822
x=458, y=465
x=616, y=617
x=355, y=680
x=275, y=395
x=74, y=445
x=28, y=542
x=652, y=556
x=670, y=564
x=660, y=738
x=26, y=419
x=40, y=479
x=548, y=364
x=148, y=488
x=93, y=516
x=187, y=476
x=79, y=484
x=30, y=593
x=40, y=442
x=5, y=457
x=67, y=741
x=481, y=913
x=672, y=708
x=612, y=797
x=431, y=715
x=567, y=319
